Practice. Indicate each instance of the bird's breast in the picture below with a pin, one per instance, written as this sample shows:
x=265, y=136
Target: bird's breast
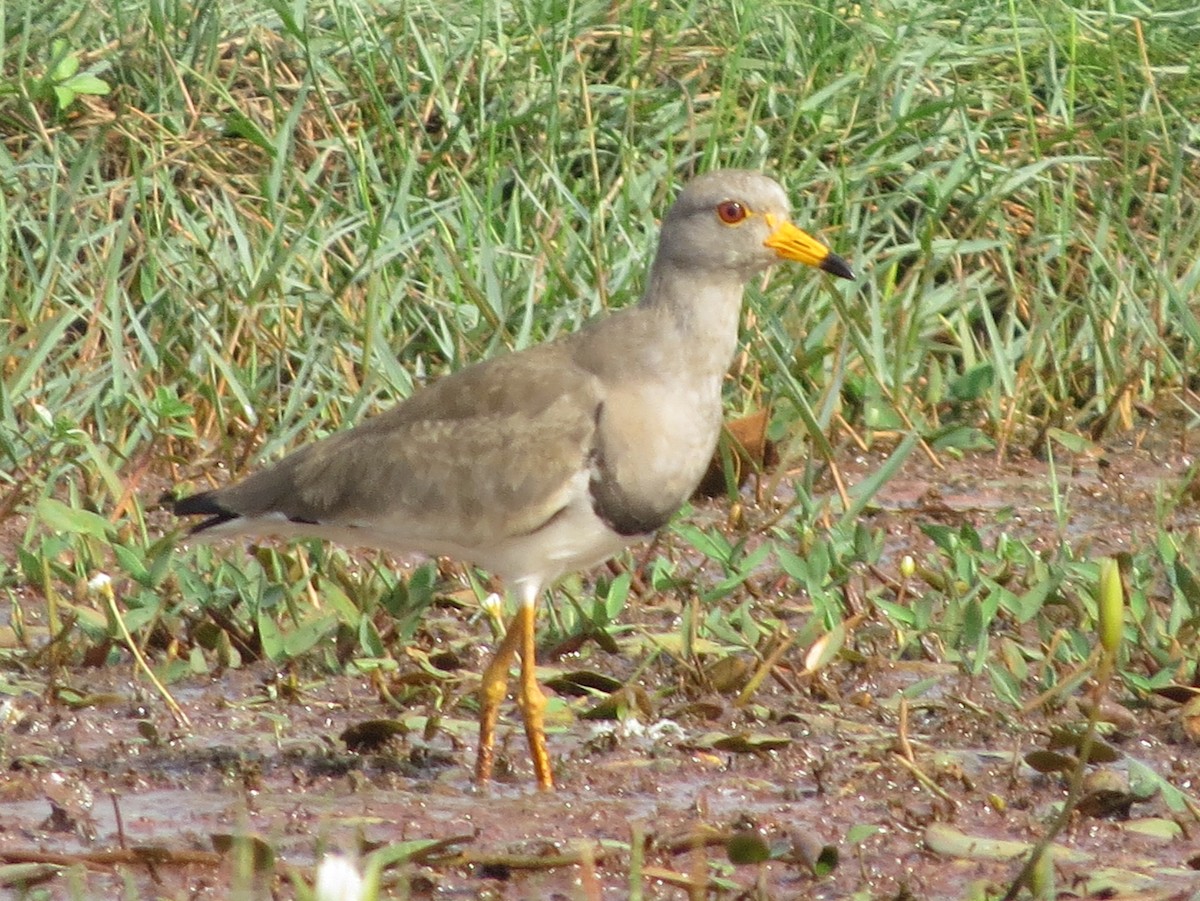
x=653, y=444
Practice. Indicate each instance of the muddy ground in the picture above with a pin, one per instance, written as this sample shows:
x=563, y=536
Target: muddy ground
x=834, y=768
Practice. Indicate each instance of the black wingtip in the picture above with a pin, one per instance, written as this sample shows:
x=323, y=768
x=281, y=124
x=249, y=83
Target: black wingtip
x=835, y=265
x=202, y=504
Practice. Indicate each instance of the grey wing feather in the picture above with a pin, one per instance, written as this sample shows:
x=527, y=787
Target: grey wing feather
x=481, y=455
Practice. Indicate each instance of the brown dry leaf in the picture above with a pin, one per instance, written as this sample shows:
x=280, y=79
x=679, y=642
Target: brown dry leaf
x=371, y=735
x=1190, y=718
x=746, y=441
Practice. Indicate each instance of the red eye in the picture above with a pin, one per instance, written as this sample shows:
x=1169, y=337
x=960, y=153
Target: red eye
x=731, y=212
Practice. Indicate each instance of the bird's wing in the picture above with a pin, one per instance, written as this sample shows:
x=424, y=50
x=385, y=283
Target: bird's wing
x=486, y=454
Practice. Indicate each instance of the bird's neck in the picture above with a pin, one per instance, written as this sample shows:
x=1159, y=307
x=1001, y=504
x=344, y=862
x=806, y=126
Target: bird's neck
x=699, y=310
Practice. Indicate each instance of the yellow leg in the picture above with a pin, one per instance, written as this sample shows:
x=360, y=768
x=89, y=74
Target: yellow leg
x=491, y=693
x=533, y=700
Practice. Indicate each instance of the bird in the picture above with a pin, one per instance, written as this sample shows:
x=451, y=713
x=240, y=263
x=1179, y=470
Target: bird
x=551, y=459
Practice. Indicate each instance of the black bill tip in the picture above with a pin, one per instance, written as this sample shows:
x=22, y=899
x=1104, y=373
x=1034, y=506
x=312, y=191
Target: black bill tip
x=835, y=265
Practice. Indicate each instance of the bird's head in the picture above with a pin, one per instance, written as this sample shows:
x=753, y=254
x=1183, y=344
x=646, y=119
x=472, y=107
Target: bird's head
x=739, y=221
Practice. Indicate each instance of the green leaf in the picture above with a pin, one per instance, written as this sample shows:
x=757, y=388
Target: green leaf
x=272, y=639
x=856, y=835
x=1007, y=687
x=138, y=617
x=1155, y=827
x=711, y=544
x=239, y=125
x=302, y=639
x=618, y=593
x=946, y=840
x=743, y=742
x=1076, y=444
x=1032, y=601
x=339, y=602
x=245, y=849
x=747, y=847
x=864, y=491
x=973, y=383
x=897, y=613
x=1187, y=583
x=68, y=63
x=944, y=537
x=20, y=876
x=62, y=518
x=368, y=638
x=963, y=438
x=88, y=84
x=131, y=562
x=745, y=569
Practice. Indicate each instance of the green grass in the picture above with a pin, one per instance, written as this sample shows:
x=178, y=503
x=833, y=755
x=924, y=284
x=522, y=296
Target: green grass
x=231, y=227
x=421, y=187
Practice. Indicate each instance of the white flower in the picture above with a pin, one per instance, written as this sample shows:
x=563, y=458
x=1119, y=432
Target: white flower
x=633, y=731
x=493, y=605
x=665, y=730
x=339, y=880
x=101, y=583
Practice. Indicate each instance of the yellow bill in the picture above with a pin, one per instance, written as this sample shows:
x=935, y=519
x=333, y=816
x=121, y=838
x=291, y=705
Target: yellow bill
x=793, y=243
